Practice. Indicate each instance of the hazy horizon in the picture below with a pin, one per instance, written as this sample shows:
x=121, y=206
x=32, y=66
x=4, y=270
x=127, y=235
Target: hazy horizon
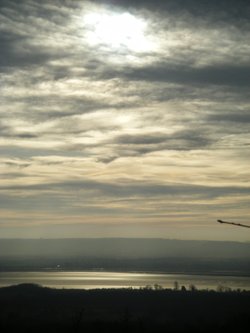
x=123, y=248
x=133, y=238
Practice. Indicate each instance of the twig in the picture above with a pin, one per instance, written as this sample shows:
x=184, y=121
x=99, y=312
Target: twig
x=237, y=224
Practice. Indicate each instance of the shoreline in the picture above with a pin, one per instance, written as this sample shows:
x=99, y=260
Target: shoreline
x=88, y=280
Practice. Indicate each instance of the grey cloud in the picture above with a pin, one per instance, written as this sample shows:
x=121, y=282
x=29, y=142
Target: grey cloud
x=67, y=107
x=32, y=203
x=211, y=75
x=10, y=132
x=17, y=164
x=17, y=52
x=12, y=175
x=13, y=56
x=23, y=25
x=4, y=130
x=141, y=139
x=23, y=152
x=61, y=107
x=130, y=189
x=148, y=142
x=216, y=11
x=107, y=159
x=126, y=145
x=232, y=117
x=26, y=136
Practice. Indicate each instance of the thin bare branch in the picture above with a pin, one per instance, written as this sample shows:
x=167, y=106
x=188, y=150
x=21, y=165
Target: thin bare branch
x=237, y=224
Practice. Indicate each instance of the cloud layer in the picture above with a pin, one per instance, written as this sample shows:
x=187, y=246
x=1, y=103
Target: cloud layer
x=147, y=139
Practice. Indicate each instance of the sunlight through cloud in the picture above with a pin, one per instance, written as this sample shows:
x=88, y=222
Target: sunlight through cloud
x=116, y=31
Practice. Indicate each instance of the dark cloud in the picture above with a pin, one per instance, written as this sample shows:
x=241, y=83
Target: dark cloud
x=18, y=51
x=4, y=129
x=14, y=56
x=107, y=159
x=140, y=139
x=210, y=75
x=148, y=142
x=26, y=136
x=25, y=29
x=17, y=164
x=217, y=11
x=66, y=106
x=233, y=117
x=10, y=132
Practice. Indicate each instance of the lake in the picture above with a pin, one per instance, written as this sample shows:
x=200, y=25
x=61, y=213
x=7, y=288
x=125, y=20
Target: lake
x=101, y=279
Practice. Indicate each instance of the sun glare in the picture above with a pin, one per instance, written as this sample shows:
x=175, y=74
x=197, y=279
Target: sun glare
x=116, y=31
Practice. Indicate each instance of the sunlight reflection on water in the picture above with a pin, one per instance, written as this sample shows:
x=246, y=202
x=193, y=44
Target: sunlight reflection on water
x=92, y=280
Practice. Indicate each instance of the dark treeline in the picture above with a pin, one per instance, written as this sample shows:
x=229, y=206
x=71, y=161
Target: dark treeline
x=30, y=308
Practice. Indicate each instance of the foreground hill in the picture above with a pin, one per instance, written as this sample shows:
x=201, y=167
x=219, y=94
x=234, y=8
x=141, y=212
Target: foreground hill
x=30, y=308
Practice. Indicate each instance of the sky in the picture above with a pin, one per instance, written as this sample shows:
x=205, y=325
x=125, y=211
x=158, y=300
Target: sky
x=124, y=118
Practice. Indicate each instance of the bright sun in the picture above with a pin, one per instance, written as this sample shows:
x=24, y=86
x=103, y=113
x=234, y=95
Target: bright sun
x=116, y=31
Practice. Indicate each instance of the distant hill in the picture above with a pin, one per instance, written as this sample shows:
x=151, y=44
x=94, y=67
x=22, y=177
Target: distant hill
x=123, y=248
